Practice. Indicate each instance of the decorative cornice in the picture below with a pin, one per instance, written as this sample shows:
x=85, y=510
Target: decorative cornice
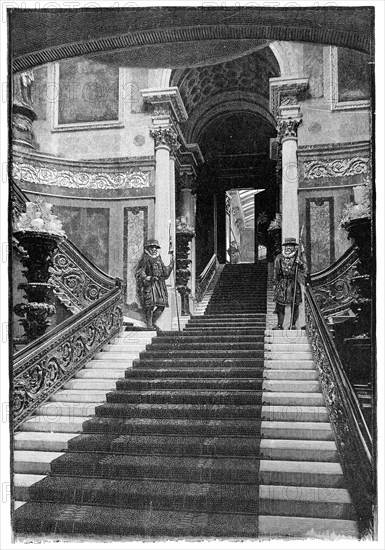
x=287, y=128
x=165, y=102
x=165, y=137
x=335, y=168
x=285, y=91
x=335, y=150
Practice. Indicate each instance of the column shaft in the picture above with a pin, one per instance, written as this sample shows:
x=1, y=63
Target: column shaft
x=290, y=212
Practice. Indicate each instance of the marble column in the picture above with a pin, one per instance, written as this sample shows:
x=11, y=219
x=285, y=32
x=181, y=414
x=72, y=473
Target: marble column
x=287, y=133
x=285, y=96
x=166, y=145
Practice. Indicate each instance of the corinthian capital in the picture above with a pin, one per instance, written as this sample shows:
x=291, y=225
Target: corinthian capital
x=287, y=128
x=166, y=137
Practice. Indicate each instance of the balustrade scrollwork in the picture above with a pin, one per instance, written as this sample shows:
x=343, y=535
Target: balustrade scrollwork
x=42, y=367
x=352, y=436
x=335, y=288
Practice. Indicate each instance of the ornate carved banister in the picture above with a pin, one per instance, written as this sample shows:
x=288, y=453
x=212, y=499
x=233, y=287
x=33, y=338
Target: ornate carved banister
x=352, y=435
x=333, y=287
x=78, y=281
x=205, y=278
x=43, y=366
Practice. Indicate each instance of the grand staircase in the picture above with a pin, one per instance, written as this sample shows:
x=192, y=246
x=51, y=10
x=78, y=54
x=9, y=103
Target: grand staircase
x=217, y=431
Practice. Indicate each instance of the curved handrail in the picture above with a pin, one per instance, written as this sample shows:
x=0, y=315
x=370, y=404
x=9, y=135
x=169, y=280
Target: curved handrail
x=205, y=278
x=352, y=435
x=44, y=365
x=75, y=277
x=333, y=287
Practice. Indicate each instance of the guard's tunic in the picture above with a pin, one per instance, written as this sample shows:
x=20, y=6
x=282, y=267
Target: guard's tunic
x=284, y=275
x=154, y=292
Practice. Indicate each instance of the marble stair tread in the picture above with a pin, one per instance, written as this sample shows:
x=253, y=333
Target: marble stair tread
x=291, y=347
x=290, y=364
x=296, y=386
x=76, y=396
x=114, y=364
x=293, y=399
x=120, y=355
x=22, y=484
x=100, y=373
x=276, y=429
x=67, y=409
x=297, y=449
x=306, y=494
x=308, y=528
x=290, y=374
x=91, y=384
x=294, y=413
x=67, y=424
x=42, y=441
x=34, y=462
x=272, y=355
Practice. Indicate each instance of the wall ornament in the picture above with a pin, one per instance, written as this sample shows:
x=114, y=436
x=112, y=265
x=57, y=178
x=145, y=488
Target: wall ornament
x=335, y=168
x=50, y=175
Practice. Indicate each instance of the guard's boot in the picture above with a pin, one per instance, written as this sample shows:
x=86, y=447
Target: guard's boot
x=155, y=316
x=281, y=317
x=149, y=319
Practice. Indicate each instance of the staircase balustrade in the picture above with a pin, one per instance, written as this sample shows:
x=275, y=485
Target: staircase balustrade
x=206, y=277
x=352, y=435
x=43, y=366
x=334, y=288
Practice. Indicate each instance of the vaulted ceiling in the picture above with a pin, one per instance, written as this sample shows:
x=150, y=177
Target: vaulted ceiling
x=39, y=36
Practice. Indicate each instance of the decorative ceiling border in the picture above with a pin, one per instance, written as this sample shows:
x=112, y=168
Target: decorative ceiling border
x=334, y=150
x=188, y=34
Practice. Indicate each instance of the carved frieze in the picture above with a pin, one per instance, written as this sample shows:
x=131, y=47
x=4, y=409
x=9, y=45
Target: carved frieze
x=45, y=174
x=335, y=168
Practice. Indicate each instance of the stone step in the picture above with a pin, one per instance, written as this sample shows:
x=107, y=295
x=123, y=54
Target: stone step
x=288, y=355
x=189, y=411
x=116, y=354
x=299, y=449
x=293, y=399
x=290, y=364
x=113, y=363
x=22, y=484
x=285, y=333
x=298, y=473
x=297, y=386
x=320, y=431
x=201, y=354
x=68, y=409
x=41, y=441
x=76, y=396
x=290, y=374
x=91, y=384
x=290, y=347
x=190, y=385
x=295, y=413
x=297, y=501
x=66, y=424
x=289, y=339
x=220, y=362
x=34, y=462
x=100, y=374
x=307, y=528
x=130, y=349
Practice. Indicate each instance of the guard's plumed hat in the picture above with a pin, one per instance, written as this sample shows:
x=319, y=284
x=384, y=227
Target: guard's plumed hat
x=151, y=242
x=290, y=242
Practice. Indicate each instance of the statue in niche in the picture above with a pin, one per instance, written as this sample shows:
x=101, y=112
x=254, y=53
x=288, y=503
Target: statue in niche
x=22, y=91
